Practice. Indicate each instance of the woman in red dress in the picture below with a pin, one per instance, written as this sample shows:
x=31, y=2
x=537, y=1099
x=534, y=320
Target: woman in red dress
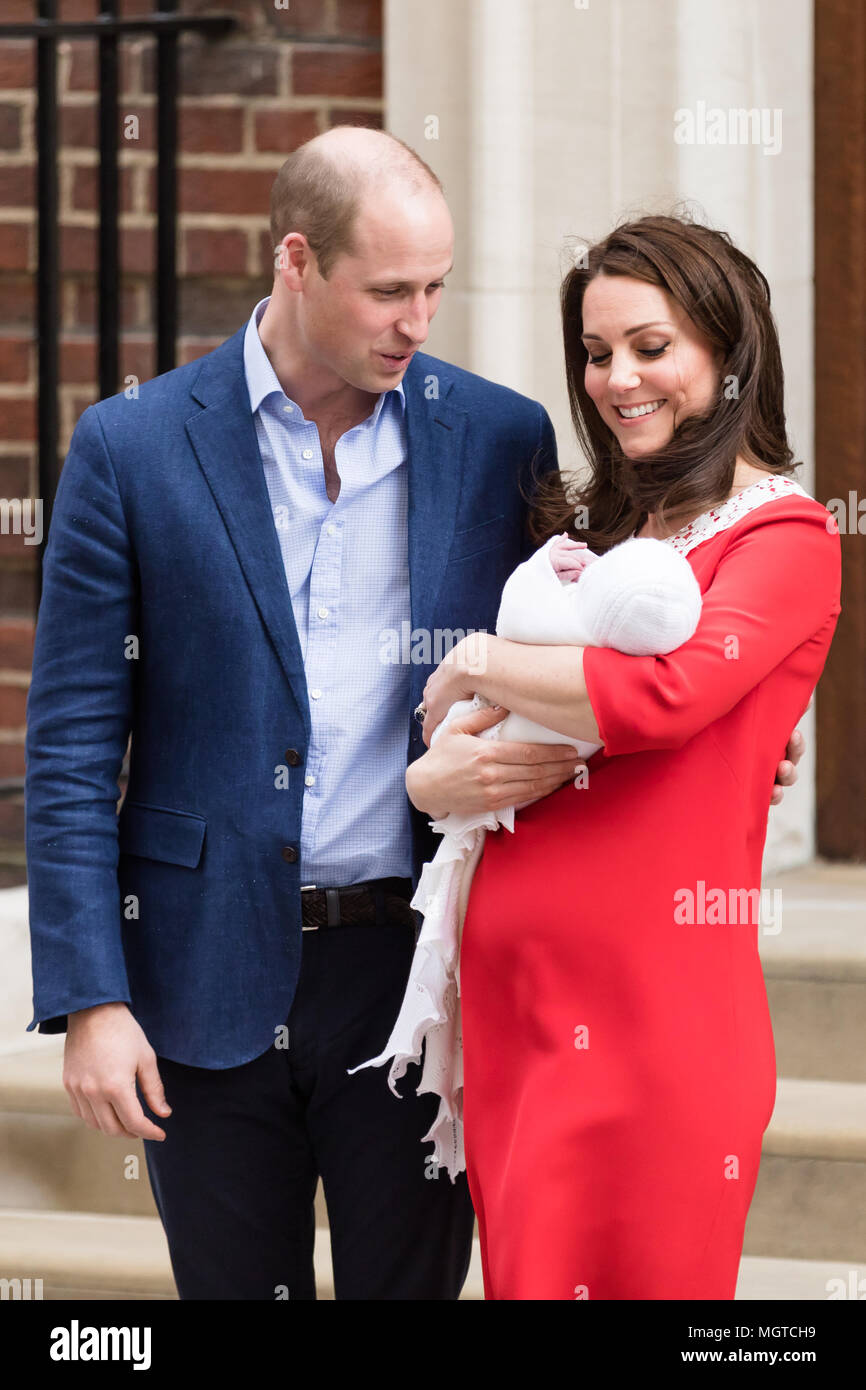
x=619, y=1069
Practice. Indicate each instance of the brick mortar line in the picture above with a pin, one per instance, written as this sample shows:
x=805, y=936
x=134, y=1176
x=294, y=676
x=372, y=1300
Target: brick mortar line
x=225, y=101
x=143, y=221
x=81, y=338
x=82, y=157
x=284, y=72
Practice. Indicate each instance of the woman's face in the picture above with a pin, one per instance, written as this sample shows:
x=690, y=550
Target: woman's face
x=649, y=366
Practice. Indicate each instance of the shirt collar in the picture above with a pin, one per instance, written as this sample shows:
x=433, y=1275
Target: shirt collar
x=262, y=379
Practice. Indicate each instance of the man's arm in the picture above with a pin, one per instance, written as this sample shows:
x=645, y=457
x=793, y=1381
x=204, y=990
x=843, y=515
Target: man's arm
x=79, y=713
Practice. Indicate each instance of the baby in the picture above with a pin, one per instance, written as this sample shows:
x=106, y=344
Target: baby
x=640, y=598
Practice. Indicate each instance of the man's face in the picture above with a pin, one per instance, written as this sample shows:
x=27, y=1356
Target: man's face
x=364, y=322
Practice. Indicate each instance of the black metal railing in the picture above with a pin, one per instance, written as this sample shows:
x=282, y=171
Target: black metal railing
x=108, y=28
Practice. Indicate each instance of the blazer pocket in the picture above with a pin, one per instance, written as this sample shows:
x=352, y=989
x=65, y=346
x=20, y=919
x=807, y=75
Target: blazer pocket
x=485, y=536
x=153, y=832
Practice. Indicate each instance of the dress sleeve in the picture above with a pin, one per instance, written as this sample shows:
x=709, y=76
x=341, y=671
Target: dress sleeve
x=776, y=586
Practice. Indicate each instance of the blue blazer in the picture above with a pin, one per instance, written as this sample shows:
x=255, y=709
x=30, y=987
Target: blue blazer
x=165, y=614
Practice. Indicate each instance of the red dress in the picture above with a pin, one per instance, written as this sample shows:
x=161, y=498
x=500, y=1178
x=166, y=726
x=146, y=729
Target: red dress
x=619, y=1069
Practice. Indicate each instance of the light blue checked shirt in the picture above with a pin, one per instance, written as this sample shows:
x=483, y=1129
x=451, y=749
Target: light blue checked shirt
x=347, y=569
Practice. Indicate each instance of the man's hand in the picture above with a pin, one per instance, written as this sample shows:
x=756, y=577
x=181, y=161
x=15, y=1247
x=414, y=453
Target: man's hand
x=786, y=773
x=105, y=1051
x=467, y=774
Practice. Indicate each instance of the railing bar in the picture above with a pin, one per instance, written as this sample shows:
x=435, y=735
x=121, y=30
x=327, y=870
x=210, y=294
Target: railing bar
x=47, y=278
x=109, y=206
x=166, y=198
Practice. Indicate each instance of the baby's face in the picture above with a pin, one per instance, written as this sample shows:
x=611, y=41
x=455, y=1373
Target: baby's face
x=570, y=558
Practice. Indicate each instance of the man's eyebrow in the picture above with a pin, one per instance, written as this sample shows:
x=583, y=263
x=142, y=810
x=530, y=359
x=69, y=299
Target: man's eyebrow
x=628, y=332
x=400, y=283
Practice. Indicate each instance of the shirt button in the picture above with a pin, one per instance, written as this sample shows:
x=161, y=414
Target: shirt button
x=309, y=780
x=323, y=612
x=293, y=757
x=316, y=694
x=307, y=454
x=289, y=853
x=288, y=407
x=331, y=530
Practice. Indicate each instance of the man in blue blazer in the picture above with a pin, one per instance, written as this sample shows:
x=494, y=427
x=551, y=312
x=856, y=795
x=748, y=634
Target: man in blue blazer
x=254, y=563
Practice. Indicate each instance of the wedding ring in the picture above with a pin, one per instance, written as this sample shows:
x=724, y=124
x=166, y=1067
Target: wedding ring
x=420, y=711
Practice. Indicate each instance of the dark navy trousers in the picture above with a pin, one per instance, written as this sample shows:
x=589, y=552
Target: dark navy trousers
x=235, y=1178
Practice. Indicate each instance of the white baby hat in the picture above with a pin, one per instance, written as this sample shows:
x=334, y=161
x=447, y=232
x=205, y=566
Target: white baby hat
x=641, y=598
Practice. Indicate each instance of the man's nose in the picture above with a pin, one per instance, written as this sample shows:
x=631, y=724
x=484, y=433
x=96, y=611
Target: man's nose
x=415, y=322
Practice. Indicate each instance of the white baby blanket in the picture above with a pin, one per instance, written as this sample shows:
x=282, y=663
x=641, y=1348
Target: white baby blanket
x=640, y=598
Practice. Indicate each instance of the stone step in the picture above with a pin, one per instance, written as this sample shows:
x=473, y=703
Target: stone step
x=80, y=1256
x=763, y=1279
x=85, y=1254
x=809, y=1203
x=815, y=971
x=50, y=1160
x=810, y=1197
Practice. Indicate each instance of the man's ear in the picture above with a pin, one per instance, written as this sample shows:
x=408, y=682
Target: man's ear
x=293, y=259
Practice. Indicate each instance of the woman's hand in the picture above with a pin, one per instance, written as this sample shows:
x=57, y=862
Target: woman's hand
x=452, y=680
x=467, y=774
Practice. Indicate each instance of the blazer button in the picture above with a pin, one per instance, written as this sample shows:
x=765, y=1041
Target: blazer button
x=293, y=757
x=289, y=853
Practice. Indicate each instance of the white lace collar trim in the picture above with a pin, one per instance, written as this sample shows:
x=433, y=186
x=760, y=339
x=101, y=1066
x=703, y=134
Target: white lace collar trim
x=726, y=514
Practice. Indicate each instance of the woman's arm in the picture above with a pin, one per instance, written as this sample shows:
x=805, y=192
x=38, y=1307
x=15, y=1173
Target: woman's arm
x=776, y=587
x=545, y=684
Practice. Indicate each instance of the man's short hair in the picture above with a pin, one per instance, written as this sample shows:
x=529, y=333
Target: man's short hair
x=319, y=195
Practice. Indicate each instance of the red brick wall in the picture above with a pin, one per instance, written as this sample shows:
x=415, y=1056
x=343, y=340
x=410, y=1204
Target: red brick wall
x=245, y=103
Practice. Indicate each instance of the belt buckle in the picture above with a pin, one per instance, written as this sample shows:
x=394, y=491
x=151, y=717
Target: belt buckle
x=309, y=888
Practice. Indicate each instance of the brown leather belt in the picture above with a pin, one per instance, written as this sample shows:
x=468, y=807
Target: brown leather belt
x=379, y=902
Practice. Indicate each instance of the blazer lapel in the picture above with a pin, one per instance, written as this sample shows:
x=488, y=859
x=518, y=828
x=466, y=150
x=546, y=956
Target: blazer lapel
x=436, y=439
x=223, y=436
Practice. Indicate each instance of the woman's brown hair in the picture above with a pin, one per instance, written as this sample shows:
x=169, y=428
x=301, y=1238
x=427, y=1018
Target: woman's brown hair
x=727, y=298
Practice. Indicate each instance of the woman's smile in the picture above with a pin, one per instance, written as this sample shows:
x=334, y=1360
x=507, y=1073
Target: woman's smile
x=634, y=414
